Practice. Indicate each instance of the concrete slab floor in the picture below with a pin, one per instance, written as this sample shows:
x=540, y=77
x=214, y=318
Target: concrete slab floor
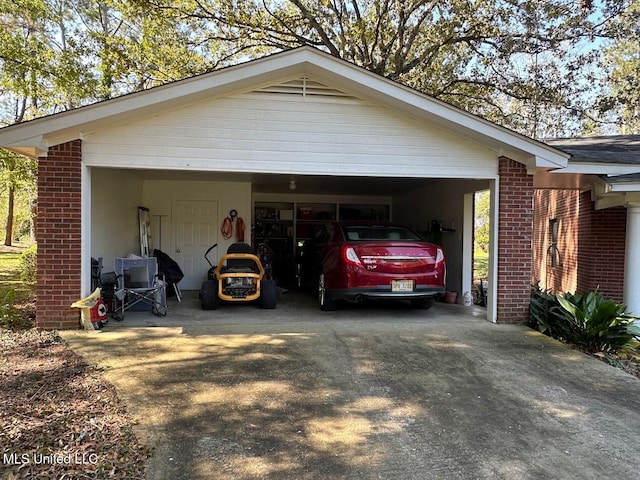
x=366, y=392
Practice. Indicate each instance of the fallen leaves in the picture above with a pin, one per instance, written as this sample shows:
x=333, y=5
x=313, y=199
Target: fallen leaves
x=59, y=417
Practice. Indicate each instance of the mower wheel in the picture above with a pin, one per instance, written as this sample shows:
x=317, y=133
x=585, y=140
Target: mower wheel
x=209, y=295
x=269, y=293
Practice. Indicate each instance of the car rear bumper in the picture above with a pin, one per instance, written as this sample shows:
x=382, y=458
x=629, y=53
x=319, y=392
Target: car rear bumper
x=357, y=294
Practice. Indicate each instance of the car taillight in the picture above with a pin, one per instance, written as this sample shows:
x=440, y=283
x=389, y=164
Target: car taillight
x=439, y=256
x=350, y=256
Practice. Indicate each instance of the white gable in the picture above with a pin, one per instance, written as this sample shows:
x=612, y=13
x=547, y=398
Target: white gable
x=300, y=126
x=280, y=70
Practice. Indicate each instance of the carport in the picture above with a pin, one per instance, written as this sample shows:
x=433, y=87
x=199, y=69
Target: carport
x=415, y=202
x=194, y=150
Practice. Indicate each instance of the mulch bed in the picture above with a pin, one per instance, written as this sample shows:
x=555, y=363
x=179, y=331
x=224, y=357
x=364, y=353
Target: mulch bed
x=60, y=419
x=628, y=363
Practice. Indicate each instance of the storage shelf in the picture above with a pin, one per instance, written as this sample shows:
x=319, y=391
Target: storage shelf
x=301, y=218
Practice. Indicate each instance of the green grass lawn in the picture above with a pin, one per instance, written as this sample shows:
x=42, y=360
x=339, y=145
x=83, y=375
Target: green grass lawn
x=480, y=264
x=10, y=276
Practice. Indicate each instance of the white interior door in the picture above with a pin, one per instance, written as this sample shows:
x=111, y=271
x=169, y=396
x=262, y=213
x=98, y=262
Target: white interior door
x=196, y=229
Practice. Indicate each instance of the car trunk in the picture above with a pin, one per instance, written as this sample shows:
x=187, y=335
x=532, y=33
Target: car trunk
x=397, y=258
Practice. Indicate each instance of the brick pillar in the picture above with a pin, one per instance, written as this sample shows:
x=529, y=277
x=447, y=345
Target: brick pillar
x=58, y=236
x=515, y=234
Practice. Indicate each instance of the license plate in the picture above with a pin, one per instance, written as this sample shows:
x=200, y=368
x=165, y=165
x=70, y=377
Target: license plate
x=402, y=285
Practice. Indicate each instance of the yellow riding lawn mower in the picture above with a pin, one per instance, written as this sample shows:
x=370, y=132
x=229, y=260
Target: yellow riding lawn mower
x=239, y=276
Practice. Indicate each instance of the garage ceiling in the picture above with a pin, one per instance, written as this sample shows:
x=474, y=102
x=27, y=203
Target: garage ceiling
x=305, y=184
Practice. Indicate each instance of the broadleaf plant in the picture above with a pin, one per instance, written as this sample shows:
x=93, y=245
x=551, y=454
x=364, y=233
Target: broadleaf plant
x=590, y=321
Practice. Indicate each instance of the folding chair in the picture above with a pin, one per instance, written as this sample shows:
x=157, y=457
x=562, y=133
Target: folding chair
x=139, y=284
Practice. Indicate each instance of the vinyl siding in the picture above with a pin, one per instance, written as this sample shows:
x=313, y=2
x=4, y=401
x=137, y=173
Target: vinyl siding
x=285, y=133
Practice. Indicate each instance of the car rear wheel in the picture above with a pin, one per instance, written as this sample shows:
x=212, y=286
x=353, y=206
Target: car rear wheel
x=424, y=303
x=324, y=296
x=269, y=294
x=209, y=295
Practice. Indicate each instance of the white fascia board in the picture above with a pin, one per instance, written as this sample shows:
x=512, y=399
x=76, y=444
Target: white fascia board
x=281, y=167
x=624, y=187
x=610, y=169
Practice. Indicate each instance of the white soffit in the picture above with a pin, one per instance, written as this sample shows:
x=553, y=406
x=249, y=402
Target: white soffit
x=617, y=200
x=32, y=138
x=614, y=194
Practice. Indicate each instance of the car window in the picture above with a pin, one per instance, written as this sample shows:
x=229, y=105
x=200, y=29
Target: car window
x=379, y=232
x=323, y=234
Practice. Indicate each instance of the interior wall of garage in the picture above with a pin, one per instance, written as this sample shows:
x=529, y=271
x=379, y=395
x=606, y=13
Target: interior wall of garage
x=441, y=200
x=159, y=196
x=115, y=196
x=117, y=193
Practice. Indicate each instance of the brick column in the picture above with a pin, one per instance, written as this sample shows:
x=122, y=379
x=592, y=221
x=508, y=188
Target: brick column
x=58, y=235
x=515, y=235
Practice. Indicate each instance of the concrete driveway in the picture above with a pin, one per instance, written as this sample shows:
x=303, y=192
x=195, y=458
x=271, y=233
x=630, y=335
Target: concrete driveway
x=364, y=393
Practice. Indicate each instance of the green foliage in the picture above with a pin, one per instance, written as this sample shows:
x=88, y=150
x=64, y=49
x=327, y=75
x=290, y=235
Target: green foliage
x=480, y=264
x=620, y=101
x=11, y=317
x=28, y=264
x=597, y=324
x=17, y=190
x=525, y=64
x=482, y=212
x=590, y=321
x=543, y=314
x=10, y=277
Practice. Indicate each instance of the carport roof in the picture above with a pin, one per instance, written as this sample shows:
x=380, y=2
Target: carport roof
x=608, y=156
x=615, y=149
x=615, y=160
x=33, y=138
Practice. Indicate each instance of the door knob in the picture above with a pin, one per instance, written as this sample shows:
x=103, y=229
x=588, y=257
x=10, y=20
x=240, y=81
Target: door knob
x=178, y=251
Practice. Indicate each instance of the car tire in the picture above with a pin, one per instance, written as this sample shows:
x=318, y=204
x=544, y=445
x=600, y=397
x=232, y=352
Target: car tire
x=209, y=294
x=269, y=294
x=423, y=303
x=324, y=296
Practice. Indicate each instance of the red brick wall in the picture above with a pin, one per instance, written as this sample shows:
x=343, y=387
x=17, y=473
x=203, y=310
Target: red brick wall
x=591, y=244
x=58, y=236
x=602, y=237
x=514, y=241
x=562, y=205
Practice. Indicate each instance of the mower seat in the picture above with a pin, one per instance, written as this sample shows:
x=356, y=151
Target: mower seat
x=244, y=265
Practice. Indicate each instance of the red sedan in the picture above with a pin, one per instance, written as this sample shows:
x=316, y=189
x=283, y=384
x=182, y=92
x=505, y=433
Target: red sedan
x=354, y=261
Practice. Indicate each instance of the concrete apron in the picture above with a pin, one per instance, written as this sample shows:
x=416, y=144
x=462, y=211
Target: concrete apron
x=378, y=391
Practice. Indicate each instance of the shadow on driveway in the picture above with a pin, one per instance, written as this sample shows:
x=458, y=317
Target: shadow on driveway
x=369, y=392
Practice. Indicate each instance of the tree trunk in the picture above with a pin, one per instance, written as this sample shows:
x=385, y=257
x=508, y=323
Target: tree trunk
x=9, y=231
